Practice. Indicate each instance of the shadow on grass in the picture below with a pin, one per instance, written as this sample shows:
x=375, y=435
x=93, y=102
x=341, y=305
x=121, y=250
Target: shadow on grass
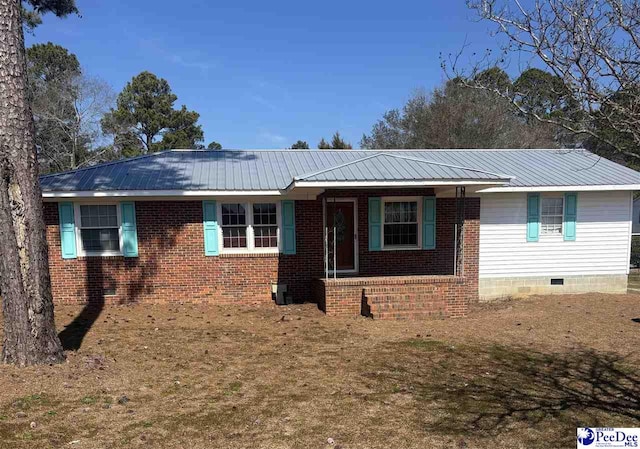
x=129, y=280
x=73, y=334
x=492, y=391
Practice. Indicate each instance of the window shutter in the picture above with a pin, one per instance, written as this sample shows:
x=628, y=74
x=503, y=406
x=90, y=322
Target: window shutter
x=67, y=230
x=570, y=216
x=533, y=217
x=210, y=226
x=288, y=227
x=129, y=230
x=429, y=222
x=375, y=224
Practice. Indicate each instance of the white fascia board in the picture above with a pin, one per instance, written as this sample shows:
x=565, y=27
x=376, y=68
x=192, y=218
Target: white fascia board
x=370, y=184
x=159, y=193
x=592, y=188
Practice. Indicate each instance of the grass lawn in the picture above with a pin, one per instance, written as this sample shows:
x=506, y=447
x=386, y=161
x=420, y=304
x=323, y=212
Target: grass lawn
x=520, y=374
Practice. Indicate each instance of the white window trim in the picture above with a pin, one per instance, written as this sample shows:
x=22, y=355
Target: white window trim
x=395, y=199
x=552, y=235
x=250, y=249
x=80, y=249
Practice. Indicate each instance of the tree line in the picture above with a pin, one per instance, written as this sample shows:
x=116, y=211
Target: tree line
x=79, y=121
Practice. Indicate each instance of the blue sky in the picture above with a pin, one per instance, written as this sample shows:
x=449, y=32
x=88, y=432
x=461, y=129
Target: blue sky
x=265, y=74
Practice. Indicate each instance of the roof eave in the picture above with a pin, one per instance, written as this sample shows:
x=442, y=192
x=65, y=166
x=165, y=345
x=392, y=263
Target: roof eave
x=565, y=188
x=157, y=193
x=401, y=183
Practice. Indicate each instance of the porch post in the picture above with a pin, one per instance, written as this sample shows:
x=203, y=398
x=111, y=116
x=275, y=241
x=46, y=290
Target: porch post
x=458, y=256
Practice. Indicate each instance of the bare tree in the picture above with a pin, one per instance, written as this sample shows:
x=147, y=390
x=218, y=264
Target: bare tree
x=68, y=122
x=593, y=46
x=453, y=116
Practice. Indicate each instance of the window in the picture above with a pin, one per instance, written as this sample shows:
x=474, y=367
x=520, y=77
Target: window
x=401, y=224
x=99, y=228
x=249, y=227
x=551, y=216
x=234, y=226
x=265, y=225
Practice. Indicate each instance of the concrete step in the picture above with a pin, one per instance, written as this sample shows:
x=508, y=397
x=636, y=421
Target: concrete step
x=418, y=307
x=401, y=297
x=407, y=315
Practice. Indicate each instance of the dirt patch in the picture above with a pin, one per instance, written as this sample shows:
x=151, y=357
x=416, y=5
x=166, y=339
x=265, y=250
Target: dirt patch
x=516, y=374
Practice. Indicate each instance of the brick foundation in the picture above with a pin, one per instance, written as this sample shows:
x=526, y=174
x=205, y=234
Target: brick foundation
x=172, y=267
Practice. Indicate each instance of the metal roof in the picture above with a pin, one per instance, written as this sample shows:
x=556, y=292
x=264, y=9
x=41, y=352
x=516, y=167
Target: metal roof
x=397, y=167
x=267, y=170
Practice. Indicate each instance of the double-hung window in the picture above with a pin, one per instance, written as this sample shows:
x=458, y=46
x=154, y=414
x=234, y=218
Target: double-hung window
x=99, y=229
x=248, y=227
x=551, y=215
x=265, y=225
x=234, y=225
x=401, y=223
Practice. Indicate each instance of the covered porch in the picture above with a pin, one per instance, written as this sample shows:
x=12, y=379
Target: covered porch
x=400, y=236
x=398, y=253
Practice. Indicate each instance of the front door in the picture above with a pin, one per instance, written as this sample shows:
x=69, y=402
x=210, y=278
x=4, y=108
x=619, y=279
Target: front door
x=341, y=227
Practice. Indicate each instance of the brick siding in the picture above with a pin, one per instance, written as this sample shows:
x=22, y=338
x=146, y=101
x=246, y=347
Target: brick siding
x=172, y=267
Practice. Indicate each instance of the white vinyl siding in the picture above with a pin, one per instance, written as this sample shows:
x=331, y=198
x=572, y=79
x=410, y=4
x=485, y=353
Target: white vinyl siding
x=603, y=230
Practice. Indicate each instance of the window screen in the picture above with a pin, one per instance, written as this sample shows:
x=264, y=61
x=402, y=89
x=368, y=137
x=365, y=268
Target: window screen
x=99, y=227
x=551, y=216
x=401, y=223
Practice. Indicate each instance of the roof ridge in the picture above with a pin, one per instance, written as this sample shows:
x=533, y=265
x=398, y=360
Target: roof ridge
x=335, y=167
x=106, y=164
x=442, y=164
x=382, y=150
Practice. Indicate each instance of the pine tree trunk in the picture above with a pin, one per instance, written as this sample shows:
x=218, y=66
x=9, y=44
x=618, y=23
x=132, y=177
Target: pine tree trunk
x=29, y=331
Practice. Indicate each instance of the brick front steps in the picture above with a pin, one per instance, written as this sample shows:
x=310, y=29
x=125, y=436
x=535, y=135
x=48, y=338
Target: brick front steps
x=394, y=297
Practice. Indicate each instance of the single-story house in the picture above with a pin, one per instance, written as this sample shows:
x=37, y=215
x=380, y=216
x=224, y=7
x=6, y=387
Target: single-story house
x=391, y=234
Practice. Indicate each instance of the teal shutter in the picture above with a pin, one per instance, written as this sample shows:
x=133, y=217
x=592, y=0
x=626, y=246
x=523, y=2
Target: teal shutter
x=67, y=230
x=288, y=227
x=210, y=225
x=375, y=224
x=129, y=230
x=429, y=222
x=533, y=217
x=570, y=216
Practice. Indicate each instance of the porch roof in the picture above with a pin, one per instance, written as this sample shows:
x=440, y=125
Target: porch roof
x=384, y=168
